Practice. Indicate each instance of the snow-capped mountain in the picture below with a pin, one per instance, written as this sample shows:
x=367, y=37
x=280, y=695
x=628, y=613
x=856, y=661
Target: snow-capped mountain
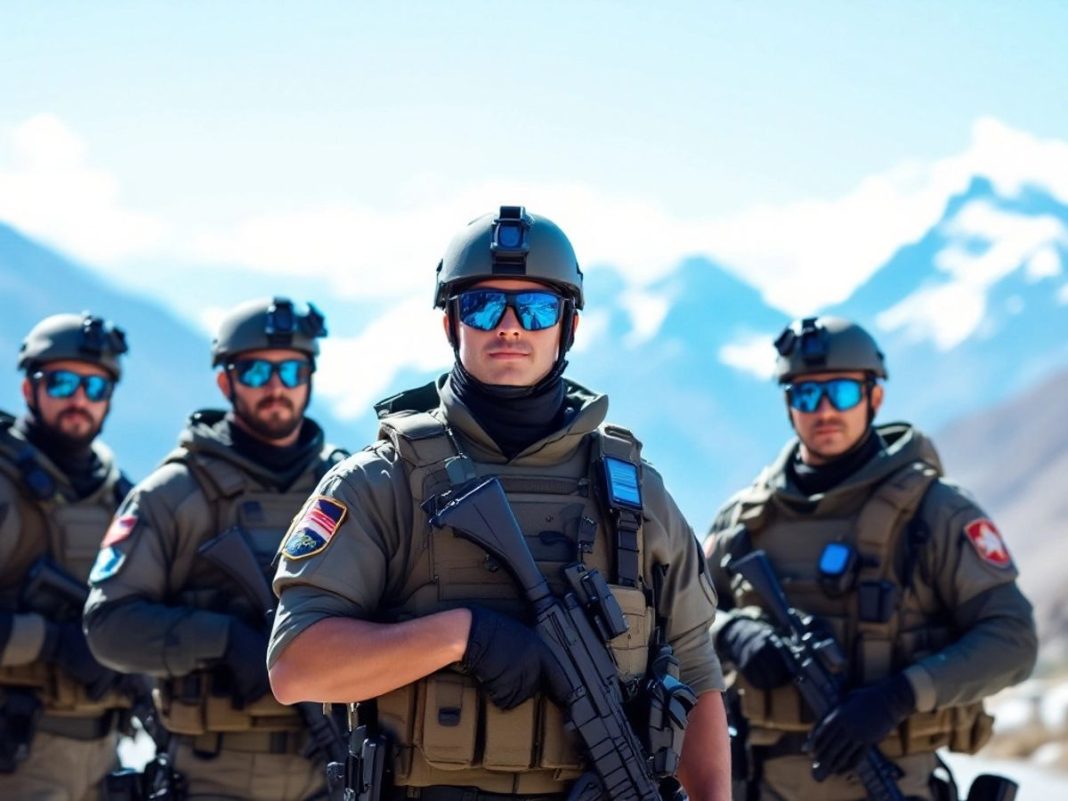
x=971, y=314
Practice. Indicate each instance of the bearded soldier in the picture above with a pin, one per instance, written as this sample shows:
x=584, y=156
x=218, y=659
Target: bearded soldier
x=171, y=586
x=60, y=709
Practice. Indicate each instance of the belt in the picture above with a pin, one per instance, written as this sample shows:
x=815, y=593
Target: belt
x=80, y=728
x=249, y=742
x=445, y=793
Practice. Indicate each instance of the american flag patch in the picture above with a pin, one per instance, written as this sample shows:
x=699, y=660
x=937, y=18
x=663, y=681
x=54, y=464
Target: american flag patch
x=120, y=529
x=312, y=531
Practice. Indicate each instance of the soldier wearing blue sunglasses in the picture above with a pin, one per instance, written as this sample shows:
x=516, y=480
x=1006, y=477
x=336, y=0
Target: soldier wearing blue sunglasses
x=908, y=573
x=429, y=616
x=245, y=471
x=59, y=487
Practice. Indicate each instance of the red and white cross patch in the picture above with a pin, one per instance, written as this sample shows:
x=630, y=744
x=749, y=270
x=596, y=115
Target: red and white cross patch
x=986, y=539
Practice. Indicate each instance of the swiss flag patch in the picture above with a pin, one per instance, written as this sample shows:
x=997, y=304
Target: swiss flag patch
x=120, y=528
x=986, y=539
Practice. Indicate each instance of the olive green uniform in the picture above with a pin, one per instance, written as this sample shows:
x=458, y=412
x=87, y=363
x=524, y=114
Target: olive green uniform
x=180, y=607
x=42, y=515
x=954, y=622
x=384, y=563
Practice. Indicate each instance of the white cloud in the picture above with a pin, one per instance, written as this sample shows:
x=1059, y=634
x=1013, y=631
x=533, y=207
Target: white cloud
x=1045, y=263
x=802, y=255
x=647, y=312
x=357, y=371
x=751, y=354
x=49, y=190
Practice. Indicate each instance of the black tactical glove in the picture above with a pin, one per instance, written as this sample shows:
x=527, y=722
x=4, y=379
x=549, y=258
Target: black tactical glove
x=245, y=661
x=510, y=660
x=756, y=650
x=66, y=648
x=863, y=719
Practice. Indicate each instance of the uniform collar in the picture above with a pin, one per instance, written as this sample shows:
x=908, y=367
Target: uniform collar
x=587, y=411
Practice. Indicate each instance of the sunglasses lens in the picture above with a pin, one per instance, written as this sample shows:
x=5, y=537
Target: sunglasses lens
x=482, y=309
x=844, y=393
x=293, y=372
x=97, y=388
x=805, y=396
x=253, y=373
x=537, y=310
x=62, y=383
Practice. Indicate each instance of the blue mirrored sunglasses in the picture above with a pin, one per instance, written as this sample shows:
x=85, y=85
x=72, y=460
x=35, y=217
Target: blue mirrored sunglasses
x=843, y=393
x=256, y=373
x=484, y=308
x=64, y=383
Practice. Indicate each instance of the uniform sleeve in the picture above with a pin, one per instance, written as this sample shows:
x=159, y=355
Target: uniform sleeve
x=717, y=546
x=687, y=600
x=967, y=565
x=133, y=589
x=363, y=559
x=23, y=633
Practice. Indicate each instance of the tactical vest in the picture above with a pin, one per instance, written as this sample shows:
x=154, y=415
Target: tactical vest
x=444, y=728
x=67, y=531
x=882, y=634
x=193, y=704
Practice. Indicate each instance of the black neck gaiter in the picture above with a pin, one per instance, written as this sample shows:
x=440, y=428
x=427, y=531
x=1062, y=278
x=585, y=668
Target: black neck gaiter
x=816, y=479
x=513, y=422
x=285, y=463
x=79, y=463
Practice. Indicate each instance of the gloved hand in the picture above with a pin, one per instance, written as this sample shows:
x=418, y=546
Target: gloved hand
x=510, y=660
x=66, y=648
x=245, y=660
x=755, y=649
x=864, y=718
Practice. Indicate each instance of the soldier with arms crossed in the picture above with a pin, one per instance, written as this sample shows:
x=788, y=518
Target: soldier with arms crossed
x=374, y=605
x=160, y=606
x=908, y=574
x=60, y=710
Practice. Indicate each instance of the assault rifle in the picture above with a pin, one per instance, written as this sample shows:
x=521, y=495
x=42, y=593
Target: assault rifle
x=230, y=553
x=52, y=592
x=622, y=770
x=817, y=664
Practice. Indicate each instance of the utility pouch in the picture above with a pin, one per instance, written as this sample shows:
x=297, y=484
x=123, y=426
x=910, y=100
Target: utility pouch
x=449, y=721
x=19, y=713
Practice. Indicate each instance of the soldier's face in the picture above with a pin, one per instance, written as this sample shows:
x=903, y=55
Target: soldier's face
x=272, y=412
x=827, y=432
x=75, y=418
x=509, y=355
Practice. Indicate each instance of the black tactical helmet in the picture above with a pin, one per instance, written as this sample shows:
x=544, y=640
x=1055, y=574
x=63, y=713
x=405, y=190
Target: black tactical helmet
x=82, y=337
x=826, y=344
x=509, y=244
x=260, y=324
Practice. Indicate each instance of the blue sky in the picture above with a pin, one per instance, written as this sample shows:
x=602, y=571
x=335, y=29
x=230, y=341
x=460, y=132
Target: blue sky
x=204, y=152
x=214, y=109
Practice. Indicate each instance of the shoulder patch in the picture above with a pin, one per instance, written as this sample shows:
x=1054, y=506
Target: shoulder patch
x=313, y=530
x=986, y=539
x=108, y=562
x=121, y=528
